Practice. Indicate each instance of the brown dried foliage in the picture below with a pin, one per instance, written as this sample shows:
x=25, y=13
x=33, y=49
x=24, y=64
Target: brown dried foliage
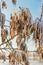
x=4, y=34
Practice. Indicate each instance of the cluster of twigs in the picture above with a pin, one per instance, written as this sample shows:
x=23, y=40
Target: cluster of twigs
x=20, y=27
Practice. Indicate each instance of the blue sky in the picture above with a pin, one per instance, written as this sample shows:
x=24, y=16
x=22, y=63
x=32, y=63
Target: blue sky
x=33, y=5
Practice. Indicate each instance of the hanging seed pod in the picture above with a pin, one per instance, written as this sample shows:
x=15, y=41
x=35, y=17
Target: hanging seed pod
x=11, y=17
x=12, y=29
x=14, y=1
x=11, y=58
x=23, y=57
x=4, y=35
x=25, y=31
x=12, y=33
x=38, y=32
x=32, y=29
x=23, y=47
x=34, y=35
x=4, y=4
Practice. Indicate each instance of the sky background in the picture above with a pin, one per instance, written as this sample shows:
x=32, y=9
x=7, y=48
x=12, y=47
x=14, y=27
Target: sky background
x=33, y=5
x=35, y=9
